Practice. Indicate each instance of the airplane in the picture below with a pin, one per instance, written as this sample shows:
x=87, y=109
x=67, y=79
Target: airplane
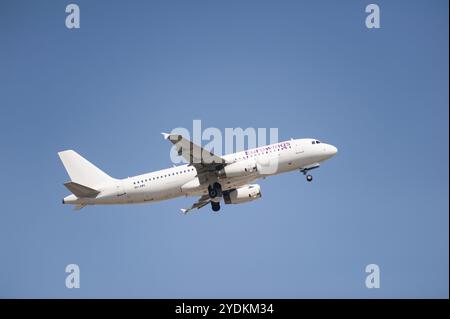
x=213, y=178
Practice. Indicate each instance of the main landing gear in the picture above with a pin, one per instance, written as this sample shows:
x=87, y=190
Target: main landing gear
x=309, y=178
x=215, y=193
x=215, y=206
x=215, y=190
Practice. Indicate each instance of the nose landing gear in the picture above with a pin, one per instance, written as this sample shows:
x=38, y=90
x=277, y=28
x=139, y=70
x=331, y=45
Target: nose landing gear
x=305, y=171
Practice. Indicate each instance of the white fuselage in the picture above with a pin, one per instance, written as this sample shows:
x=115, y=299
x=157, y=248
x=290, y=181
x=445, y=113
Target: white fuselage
x=183, y=180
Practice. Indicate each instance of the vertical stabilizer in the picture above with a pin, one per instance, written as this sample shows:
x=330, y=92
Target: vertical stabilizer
x=81, y=171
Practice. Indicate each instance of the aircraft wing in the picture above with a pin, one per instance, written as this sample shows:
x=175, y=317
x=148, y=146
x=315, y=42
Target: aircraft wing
x=195, y=154
x=202, y=201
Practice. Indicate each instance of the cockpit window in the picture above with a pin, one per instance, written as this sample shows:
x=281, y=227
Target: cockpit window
x=314, y=142
x=318, y=142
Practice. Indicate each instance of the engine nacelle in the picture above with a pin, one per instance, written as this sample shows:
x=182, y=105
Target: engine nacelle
x=242, y=194
x=241, y=168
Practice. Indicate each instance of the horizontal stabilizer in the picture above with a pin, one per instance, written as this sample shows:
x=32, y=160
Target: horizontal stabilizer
x=80, y=190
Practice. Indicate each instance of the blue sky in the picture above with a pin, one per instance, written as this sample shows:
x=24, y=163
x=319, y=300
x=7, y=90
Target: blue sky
x=310, y=69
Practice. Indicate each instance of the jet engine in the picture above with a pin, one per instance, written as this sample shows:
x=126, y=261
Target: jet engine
x=242, y=194
x=238, y=169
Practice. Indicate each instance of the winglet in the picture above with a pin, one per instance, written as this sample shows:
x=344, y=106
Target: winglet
x=166, y=135
x=184, y=210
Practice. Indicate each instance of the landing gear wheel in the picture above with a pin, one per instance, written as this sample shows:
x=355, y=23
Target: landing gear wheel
x=215, y=206
x=214, y=190
x=309, y=178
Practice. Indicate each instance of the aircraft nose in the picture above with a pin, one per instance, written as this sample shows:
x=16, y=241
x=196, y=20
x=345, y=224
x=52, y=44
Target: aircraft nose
x=331, y=150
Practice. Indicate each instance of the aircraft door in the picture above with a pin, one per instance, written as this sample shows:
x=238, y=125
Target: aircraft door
x=298, y=148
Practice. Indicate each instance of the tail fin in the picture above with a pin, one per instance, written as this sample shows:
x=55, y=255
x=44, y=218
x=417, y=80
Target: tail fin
x=81, y=171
